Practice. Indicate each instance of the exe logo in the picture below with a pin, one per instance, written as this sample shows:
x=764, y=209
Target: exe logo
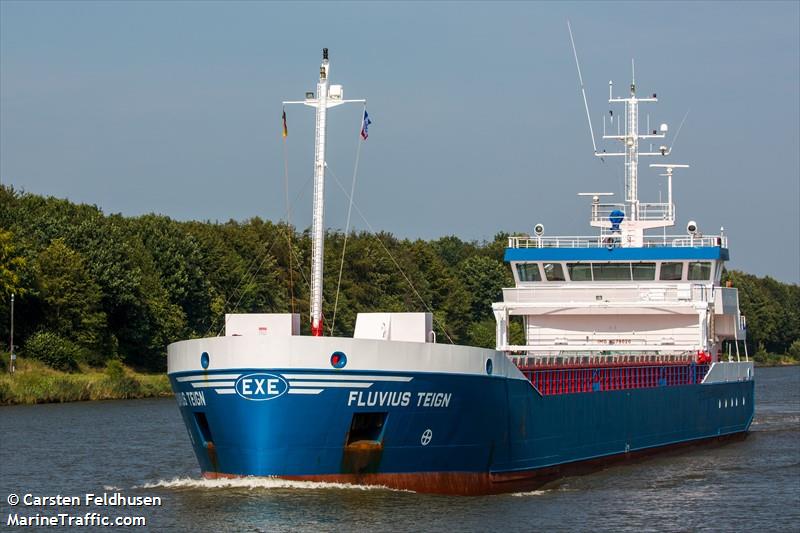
x=260, y=387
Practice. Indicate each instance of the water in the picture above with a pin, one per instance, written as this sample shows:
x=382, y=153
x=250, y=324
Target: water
x=140, y=447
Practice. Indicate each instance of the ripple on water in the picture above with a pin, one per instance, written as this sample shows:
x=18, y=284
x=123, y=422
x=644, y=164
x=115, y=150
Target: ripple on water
x=750, y=484
x=775, y=422
x=264, y=483
x=530, y=493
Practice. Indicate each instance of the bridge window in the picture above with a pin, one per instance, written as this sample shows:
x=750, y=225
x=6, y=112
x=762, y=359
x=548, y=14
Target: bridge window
x=579, y=271
x=554, y=272
x=671, y=271
x=700, y=270
x=612, y=271
x=644, y=271
x=529, y=272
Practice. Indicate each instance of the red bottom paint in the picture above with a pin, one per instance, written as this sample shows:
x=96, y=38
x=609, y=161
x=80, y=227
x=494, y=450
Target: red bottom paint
x=483, y=483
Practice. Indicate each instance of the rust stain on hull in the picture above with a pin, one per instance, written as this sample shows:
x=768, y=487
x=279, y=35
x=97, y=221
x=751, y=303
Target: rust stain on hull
x=362, y=457
x=484, y=483
x=211, y=450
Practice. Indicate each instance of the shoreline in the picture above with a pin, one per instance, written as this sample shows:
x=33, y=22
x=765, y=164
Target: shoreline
x=163, y=395
x=35, y=383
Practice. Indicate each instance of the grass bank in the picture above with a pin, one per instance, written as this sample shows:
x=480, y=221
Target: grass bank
x=35, y=382
x=775, y=360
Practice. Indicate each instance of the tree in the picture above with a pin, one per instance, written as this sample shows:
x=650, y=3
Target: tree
x=11, y=266
x=484, y=279
x=482, y=334
x=772, y=310
x=130, y=286
x=179, y=261
x=70, y=297
x=453, y=250
x=14, y=274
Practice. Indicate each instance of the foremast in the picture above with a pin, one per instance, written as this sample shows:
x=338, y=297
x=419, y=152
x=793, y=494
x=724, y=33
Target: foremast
x=327, y=96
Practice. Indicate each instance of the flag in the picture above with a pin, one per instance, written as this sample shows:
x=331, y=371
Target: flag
x=285, y=129
x=365, y=126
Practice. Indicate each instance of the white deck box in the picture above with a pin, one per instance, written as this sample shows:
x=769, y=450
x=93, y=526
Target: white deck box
x=276, y=324
x=410, y=327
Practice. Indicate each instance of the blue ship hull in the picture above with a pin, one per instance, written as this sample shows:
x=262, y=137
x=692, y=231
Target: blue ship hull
x=439, y=432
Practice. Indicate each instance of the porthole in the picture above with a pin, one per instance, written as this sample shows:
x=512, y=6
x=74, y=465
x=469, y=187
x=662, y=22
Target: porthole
x=737, y=402
x=204, y=360
x=338, y=360
x=720, y=404
x=726, y=404
x=489, y=366
x=743, y=401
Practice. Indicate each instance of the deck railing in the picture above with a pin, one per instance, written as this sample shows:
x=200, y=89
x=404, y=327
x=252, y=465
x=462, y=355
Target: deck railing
x=646, y=211
x=561, y=361
x=584, y=380
x=599, y=241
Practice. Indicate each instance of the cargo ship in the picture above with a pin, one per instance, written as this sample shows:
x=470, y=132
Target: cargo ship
x=631, y=347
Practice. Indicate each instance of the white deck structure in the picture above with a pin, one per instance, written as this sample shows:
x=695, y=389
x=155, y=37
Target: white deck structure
x=623, y=292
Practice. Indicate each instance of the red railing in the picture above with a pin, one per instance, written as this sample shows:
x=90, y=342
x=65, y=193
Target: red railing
x=576, y=380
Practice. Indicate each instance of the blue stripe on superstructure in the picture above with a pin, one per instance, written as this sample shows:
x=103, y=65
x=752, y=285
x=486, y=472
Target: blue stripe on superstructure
x=616, y=254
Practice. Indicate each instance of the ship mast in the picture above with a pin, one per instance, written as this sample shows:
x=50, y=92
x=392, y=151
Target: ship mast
x=327, y=96
x=630, y=140
x=631, y=219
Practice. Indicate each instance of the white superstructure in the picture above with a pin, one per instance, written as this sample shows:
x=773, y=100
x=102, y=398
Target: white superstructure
x=623, y=292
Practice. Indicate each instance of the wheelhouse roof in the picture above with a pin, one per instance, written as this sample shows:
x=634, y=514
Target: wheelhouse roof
x=655, y=253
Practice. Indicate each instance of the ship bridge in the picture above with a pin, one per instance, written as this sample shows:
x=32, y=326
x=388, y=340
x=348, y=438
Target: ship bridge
x=589, y=295
x=623, y=292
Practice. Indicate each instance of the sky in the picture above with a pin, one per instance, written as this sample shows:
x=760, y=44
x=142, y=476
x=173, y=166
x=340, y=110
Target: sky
x=478, y=124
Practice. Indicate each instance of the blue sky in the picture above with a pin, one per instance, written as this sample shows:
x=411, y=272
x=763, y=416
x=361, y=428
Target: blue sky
x=478, y=123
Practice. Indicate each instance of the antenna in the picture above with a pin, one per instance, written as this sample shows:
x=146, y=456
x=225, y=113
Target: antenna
x=668, y=175
x=583, y=91
x=630, y=140
x=678, y=132
x=638, y=217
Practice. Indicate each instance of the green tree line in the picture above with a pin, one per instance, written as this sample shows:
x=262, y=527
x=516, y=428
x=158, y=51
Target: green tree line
x=92, y=287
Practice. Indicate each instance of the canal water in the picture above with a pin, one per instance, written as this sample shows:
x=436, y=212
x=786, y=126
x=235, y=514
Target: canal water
x=140, y=448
